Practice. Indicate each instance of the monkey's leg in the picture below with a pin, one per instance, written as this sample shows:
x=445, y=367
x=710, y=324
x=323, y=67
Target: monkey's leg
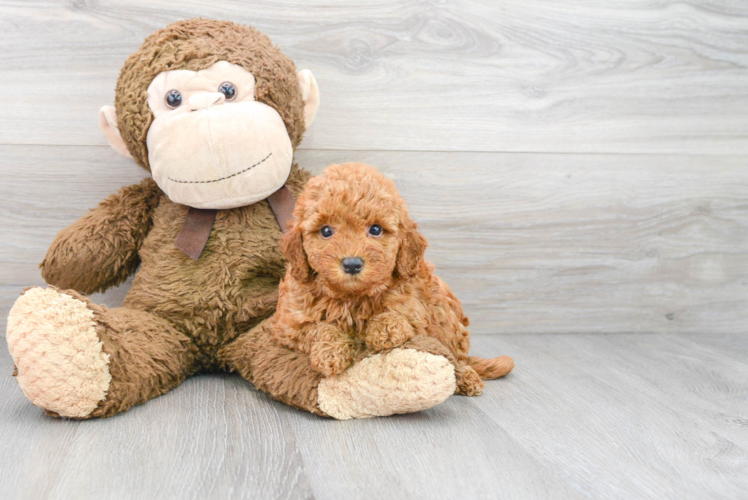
x=414, y=377
x=285, y=374
x=80, y=360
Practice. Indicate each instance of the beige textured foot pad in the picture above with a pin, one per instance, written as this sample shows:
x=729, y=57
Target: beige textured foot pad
x=402, y=381
x=61, y=365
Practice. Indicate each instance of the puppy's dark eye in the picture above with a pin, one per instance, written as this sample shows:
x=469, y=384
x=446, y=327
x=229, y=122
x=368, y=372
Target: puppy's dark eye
x=325, y=232
x=228, y=90
x=375, y=230
x=173, y=98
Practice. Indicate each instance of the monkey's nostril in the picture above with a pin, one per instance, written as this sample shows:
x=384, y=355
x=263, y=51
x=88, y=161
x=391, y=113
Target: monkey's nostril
x=352, y=265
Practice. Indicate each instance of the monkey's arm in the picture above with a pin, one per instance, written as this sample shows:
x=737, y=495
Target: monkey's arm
x=100, y=250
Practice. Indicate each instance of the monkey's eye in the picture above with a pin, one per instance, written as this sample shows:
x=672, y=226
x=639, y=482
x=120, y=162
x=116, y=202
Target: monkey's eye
x=326, y=232
x=173, y=98
x=375, y=230
x=228, y=90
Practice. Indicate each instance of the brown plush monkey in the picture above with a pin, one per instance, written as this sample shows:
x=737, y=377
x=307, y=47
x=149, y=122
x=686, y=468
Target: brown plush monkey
x=214, y=111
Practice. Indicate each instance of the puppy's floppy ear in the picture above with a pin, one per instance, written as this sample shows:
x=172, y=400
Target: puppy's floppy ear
x=412, y=248
x=292, y=246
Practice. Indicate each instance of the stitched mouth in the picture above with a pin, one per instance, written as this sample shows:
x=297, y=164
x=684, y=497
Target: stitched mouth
x=223, y=178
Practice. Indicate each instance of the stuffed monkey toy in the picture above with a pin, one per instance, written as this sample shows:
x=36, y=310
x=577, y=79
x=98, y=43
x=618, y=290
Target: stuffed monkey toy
x=214, y=111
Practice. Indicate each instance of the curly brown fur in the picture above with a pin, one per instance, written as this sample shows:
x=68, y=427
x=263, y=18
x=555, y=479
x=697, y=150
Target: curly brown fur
x=197, y=44
x=332, y=315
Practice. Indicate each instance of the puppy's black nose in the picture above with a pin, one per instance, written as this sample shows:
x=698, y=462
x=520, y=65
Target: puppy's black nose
x=353, y=265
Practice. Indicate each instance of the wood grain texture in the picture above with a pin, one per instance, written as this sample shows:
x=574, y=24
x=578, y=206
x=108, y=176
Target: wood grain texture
x=442, y=96
x=633, y=399
x=650, y=416
x=649, y=76
x=529, y=242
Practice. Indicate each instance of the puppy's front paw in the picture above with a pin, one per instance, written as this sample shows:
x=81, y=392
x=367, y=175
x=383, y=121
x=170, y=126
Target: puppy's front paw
x=331, y=358
x=388, y=330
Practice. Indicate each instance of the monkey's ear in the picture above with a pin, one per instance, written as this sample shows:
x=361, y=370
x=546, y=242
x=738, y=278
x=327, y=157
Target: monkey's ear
x=310, y=94
x=108, y=125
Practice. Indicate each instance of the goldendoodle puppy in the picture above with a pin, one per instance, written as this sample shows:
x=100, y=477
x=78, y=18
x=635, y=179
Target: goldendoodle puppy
x=357, y=281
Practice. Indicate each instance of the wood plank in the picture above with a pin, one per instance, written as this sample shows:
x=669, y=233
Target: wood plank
x=214, y=437
x=736, y=344
x=595, y=416
x=621, y=417
x=530, y=242
x=517, y=75
x=688, y=378
x=451, y=451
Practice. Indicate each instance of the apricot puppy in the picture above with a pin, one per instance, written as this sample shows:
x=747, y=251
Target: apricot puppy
x=357, y=281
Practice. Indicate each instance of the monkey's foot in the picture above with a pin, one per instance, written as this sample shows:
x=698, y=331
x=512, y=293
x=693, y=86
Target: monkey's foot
x=400, y=381
x=60, y=364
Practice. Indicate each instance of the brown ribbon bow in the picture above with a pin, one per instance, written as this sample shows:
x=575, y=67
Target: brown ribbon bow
x=197, y=224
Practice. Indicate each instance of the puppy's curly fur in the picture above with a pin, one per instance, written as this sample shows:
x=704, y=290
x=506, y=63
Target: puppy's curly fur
x=337, y=316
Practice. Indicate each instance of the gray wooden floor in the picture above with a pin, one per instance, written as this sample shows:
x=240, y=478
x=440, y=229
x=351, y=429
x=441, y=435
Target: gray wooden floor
x=580, y=171
x=584, y=416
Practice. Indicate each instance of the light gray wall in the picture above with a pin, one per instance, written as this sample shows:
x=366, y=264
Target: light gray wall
x=575, y=168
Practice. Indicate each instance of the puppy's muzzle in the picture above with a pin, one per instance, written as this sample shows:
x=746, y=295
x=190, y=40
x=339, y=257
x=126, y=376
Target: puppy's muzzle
x=353, y=265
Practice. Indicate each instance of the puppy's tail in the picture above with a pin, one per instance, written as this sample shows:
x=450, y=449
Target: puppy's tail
x=489, y=369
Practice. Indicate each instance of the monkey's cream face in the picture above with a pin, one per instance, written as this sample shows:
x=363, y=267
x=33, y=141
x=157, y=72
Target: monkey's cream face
x=211, y=145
